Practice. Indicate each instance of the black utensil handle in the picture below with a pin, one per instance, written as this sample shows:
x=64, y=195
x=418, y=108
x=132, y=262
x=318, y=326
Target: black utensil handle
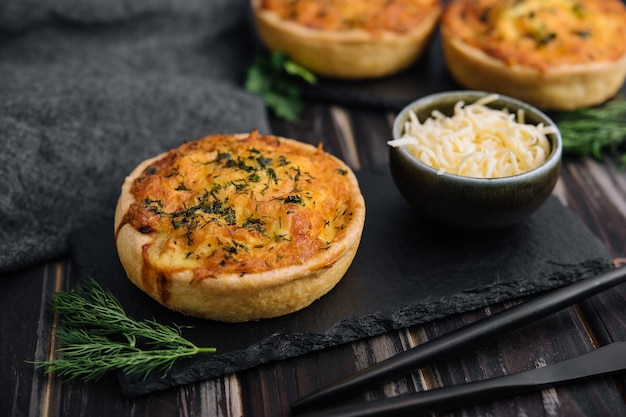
x=603, y=361
x=443, y=346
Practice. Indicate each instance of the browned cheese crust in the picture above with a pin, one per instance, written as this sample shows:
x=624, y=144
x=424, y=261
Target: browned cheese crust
x=554, y=54
x=239, y=227
x=349, y=39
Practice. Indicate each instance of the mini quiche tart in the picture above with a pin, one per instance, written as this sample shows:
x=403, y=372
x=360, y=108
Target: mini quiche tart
x=554, y=54
x=348, y=39
x=239, y=227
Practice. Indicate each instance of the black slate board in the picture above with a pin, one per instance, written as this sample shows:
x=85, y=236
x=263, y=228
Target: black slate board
x=406, y=272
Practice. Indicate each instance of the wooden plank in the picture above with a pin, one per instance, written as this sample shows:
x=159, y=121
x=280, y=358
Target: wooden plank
x=270, y=389
x=595, y=191
x=578, y=190
x=550, y=340
x=372, y=130
x=25, y=337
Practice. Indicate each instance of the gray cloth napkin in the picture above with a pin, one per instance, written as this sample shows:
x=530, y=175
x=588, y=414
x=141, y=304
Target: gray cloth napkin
x=89, y=88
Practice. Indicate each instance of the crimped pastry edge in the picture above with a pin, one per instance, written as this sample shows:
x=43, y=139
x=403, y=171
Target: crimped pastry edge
x=236, y=298
x=567, y=87
x=354, y=54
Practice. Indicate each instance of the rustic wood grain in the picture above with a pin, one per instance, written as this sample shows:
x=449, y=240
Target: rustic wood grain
x=556, y=338
x=595, y=190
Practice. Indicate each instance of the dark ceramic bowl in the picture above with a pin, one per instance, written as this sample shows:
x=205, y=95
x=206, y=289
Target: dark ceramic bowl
x=475, y=203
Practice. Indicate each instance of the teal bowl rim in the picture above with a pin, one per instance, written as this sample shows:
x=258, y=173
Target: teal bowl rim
x=556, y=145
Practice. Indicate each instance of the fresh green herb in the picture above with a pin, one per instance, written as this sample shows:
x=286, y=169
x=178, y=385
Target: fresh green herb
x=254, y=224
x=591, y=131
x=294, y=199
x=583, y=34
x=282, y=161
x=278, y=81
x=271, y=174
x=223, y=156
x=154, y=206
x=578, y=10
x=97, y=336
x=264, y=163
x=543, y=38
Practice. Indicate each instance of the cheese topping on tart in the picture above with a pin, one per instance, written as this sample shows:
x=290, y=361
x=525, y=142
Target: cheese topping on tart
x=239, y=227
x=540, y=33
x=340, y=15
x=239, y=204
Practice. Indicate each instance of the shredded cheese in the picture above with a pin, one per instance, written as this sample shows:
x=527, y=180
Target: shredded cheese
x=476, y=141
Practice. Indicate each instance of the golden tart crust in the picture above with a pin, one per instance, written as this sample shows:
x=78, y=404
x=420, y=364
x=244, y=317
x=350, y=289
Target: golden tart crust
x=348, y=39
x=554, y=54
x=239, y=227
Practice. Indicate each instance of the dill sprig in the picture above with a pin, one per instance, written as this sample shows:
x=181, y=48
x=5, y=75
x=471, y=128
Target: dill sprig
x=592, y=131
x=97, y=336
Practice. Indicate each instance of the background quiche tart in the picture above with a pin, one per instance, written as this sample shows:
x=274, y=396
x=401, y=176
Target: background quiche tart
x=554, y=54
x=239, y=227
x=350, y=39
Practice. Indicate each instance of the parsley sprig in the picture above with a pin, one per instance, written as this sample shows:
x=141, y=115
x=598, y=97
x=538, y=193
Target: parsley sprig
x=97, y=336
x=278, y=81
x=592, y=131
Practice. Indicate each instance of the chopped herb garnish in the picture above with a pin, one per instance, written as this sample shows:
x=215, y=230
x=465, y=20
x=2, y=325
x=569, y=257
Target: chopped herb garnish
x=264, y=162
x=271, y=174
x=543, y=38
x=189, y=236
x=230, y=217
x=294, y=199
x=223, y=156
x=583, y=34
x=281, y=237
x=241, y=164
x=148, y=201
x=282, y=161
x=153, y=206
x=254, y=225
x=230, y=249
x=578, y=10
x=240, y=185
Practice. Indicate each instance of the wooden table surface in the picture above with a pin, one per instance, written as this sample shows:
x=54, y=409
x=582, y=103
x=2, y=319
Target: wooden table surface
x=594, y=190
